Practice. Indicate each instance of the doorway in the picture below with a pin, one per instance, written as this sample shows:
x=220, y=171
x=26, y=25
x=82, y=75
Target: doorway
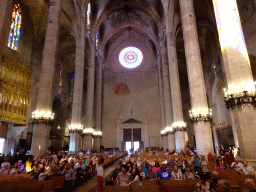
x=132, y=139
x=128, y=146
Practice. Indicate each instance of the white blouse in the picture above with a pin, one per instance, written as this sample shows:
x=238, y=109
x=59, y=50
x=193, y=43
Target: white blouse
x=99, y=169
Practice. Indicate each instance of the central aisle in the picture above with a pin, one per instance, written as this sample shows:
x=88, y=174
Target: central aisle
x=91, y=185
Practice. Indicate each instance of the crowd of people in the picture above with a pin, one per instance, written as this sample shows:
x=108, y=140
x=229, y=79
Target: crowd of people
x=135, y=170
x=76, y=168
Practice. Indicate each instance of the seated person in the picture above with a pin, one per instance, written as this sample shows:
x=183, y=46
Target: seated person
x=142, y=174
x=123, y=178
x=218, y=165
x=203, y=185
x=214, y=181
x=223, y=186
x=246, y=169
x=116, y=171
x=188, y=174
x=4, y=170
x=164, y=174
x=249, y=183
x=156, y=167
x=150, y=174
x=21, y=166
x=200, y=173
x=136, y=178
x=236, y=164
x=15, y=169
x=176, y=173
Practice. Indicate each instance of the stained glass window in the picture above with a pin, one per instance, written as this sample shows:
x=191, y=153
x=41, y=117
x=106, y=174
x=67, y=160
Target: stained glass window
x=97, y=41
x=60, y=77
x=89, y=8
x=130, y=57
x=14, y=36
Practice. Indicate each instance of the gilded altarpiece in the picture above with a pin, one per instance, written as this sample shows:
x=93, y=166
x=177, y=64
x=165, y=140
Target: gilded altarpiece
x=14, y=90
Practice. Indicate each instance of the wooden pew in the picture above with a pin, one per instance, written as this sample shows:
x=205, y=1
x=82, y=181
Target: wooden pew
x=147, y=188
x=117, y=189
x=58, y=181
x=150, y=182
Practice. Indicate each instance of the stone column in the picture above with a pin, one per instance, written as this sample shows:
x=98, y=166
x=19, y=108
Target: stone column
x=97, y=140
x=165, y=142
x=175, y=92
x=167, y=95
x=239, y=76
x=90, y=96
x=199, y=104
x=216, y=142
x=5, y=21
x=41, y=131
x=161, y=91
x=75, y=131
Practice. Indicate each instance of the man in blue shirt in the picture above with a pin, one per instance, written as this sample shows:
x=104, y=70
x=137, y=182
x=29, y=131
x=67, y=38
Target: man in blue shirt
x=164, y=174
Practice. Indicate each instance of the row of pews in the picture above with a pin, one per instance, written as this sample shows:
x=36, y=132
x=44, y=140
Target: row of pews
x=155, y=186
x=23, y=182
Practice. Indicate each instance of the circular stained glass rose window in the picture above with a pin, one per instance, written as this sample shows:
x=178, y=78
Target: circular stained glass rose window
x=130, y=57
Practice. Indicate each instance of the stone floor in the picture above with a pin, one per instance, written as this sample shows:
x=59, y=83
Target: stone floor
x=91, y=185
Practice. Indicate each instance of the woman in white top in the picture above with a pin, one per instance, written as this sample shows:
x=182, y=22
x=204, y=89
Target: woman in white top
x=100, y=174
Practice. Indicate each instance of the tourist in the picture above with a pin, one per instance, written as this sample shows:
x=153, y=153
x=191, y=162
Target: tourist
x=196, y=162
x=150, y=174
x=246, y=169
x=6, y=163
x=123, y=178
x=142, y=174
x=214, y=181
x=137, y=179
x=204, y=165
x=156, y=168
x=115, y=172
x=223, y=186
x=80, y=168
x=21, y=166
x=236, y=164
x=188, y=174
x=164, y=174
x=4, y=170
x=218, y=165
x=42, y=175
x=15, y=169
x=203, y=185
x=100, y=174
x=69, y=175
x=199, y=174
x=249, y=183
x=176, y=173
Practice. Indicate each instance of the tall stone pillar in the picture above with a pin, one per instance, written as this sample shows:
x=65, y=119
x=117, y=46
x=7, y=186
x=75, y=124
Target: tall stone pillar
x=97, y=140
x=165, y=142
x=199, y=104
x=90, y=97
x=167, y=96
x=161, y=92
x=41, y=131
x=179, y=124
x=239, y=76
x=76, y=126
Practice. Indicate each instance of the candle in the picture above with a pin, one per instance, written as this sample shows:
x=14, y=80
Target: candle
x=39, y=147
